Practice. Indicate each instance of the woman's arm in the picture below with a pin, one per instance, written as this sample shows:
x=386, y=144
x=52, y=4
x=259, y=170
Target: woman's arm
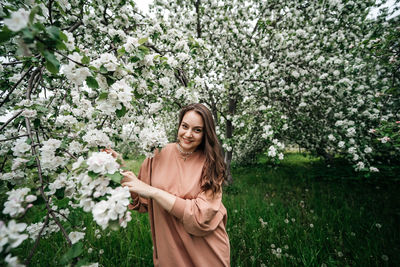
x=165, y=199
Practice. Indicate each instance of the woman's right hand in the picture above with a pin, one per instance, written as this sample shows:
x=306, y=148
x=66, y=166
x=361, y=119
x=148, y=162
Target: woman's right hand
x=112, y=152
x=115, y=154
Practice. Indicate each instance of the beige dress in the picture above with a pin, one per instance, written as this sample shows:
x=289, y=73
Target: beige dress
x=193, y=233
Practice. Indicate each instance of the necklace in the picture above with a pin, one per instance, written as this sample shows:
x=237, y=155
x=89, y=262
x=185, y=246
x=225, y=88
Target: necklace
x=185, y=155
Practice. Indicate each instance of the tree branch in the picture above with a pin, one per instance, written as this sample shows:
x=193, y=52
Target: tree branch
x=10, y=120
x=15, y=86
x=197, y=5
x=28, y=259
x=12, y=138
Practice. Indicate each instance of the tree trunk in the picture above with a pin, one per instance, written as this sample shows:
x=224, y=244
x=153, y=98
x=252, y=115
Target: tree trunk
x=229, y=134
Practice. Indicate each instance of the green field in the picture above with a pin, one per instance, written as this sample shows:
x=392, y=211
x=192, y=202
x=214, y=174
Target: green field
x=300, y=213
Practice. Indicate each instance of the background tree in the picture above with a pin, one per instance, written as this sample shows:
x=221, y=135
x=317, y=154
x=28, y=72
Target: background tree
x=296, y=71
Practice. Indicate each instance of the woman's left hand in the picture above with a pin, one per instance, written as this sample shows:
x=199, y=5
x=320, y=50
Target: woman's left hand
x=135, y=185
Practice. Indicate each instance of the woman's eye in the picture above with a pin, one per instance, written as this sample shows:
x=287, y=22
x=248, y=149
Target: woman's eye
x=198, y=130
x=184, y=126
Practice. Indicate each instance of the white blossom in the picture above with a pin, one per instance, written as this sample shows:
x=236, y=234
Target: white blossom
x=19, y=20
x=102, y=163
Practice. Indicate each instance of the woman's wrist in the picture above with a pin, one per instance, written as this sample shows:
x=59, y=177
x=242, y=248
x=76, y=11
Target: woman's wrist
x=165, y=199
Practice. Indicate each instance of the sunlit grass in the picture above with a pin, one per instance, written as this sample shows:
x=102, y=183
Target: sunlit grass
x=298, y=213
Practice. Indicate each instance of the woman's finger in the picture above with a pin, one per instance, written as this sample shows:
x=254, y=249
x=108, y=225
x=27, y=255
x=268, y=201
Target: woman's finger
x=127, y=173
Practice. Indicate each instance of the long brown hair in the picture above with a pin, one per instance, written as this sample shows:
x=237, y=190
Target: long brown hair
x=214, y=170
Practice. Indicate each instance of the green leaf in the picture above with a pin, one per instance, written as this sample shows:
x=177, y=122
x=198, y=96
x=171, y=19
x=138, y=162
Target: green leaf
x=31, y=162
x=121, y=51
x=85, y=60
x=60, y=193
x=134, y=59
x=39, y=27
x=53, y=32
x=103, y=70
x=93, y=175
x=110, y=80
x=52, y=63
x=42, y=109
x=144, y=49
x=28, y=36
x=34, y=11
x=116, y=177
x=103, y=95
x=39, y=201
x=5, y=35
x=64, y=37
x=72, y=253
x=61, y=46
x=143, y=40
x=91, y=82
x=121, y=112
x=36, y=122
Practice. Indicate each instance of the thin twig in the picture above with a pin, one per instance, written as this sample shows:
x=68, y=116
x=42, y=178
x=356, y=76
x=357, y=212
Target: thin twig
x=10, y=120
x=71, y=155
x=12, y=63
x=65, y=217
x=38, y=165
x=28, y=259
x=15, y=86
x=12, y=138
x=75, y=26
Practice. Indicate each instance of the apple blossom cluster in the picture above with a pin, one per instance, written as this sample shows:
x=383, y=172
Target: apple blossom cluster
x=18, y=20
x=50, y=161
x=113, y=209
x=34, y=229
x=146, y=136
x=17, y=202
x=95, y=193
x=151, y=136
x=102, y=163
x=95, y=137
x=20, y=147
x=11, y=236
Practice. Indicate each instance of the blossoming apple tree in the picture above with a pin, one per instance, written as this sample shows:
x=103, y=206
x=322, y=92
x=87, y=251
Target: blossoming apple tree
x=298, y=71
x=77, y=77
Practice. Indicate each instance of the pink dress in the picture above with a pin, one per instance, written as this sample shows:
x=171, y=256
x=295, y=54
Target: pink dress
x=193, y=233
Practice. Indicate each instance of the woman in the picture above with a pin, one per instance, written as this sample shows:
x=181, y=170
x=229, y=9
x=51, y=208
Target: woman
x=180, y=187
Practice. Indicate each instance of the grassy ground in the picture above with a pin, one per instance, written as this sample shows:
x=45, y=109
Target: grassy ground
x=300, y=213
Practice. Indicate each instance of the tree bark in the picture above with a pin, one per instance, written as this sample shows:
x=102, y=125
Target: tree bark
x=228, y=135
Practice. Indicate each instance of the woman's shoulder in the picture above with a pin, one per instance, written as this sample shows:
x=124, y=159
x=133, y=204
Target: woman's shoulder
x=167, y=149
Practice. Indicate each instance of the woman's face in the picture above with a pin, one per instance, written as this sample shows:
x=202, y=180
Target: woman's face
x=190, y=133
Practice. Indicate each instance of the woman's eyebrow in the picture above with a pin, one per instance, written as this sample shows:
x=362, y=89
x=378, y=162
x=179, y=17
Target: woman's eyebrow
x=201, y=127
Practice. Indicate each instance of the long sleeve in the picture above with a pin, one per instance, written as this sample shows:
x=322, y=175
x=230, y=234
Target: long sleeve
x=200, y=215
x=140, y=203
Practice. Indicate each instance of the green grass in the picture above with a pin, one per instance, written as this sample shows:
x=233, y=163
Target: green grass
x=312, y=213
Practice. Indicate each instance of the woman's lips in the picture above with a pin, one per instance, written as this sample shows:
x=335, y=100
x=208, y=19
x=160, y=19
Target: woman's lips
x=186, y=141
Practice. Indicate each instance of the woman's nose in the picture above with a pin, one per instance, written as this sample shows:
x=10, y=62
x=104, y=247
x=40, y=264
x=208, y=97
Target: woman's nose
x=189, y=133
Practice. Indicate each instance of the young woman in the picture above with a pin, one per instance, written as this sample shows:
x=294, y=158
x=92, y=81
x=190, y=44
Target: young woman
x=180, y=188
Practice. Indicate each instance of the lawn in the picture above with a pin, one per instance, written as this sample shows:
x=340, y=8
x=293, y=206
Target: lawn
x=298, y=213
